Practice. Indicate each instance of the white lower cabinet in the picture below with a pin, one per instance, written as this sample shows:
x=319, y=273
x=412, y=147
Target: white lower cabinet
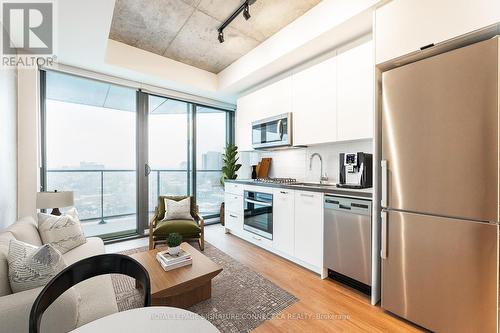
x=233, y=221
x=309, y=228
x=284, y=221
x=297, y=224
x=233, y=206
x=233, y=203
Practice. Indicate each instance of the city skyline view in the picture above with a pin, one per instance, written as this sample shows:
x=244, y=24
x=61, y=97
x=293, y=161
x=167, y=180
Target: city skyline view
x=96, y=159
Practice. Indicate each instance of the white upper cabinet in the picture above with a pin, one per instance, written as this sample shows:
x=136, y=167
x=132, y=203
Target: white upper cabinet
x=405, y=26
x=355, y=85
x=314, y=105
x=269, y=101
x=330, y=101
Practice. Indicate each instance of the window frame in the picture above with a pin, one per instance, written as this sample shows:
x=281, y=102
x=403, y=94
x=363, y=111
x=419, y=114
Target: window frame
x=142, y=113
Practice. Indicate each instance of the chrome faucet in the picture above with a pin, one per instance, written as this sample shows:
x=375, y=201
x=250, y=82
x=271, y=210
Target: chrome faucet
x=323, y=177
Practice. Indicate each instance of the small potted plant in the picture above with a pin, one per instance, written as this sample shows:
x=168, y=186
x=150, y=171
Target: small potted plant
x=174, y=241
x=229, y=169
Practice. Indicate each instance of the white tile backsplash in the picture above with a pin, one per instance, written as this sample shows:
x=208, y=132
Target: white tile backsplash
x=294, y=163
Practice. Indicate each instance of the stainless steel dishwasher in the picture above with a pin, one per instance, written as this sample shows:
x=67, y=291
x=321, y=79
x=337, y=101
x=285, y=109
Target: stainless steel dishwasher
x=347, y=243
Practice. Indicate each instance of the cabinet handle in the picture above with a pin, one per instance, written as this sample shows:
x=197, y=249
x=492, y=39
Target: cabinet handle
x=283, y=192
x=234, y=217
x=307, y=195
x=257, y=238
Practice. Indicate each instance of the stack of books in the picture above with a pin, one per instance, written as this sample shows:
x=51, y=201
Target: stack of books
x=169, y=262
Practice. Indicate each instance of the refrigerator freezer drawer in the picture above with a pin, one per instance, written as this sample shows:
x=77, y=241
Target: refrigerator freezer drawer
x=441, y=273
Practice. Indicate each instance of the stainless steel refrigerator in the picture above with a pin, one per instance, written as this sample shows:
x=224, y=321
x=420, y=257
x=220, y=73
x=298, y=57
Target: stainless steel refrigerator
x=440, y=189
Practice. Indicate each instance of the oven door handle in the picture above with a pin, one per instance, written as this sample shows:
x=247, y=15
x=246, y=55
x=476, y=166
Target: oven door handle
x=259, y=202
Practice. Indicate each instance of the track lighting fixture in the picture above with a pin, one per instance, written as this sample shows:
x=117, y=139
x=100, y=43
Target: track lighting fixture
x=245, y=8
x=246, y=12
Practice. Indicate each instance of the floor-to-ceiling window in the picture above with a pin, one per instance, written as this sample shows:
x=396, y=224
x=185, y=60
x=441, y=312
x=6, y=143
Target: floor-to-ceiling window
x=90, y=149
x=211, y=137
x=169, y=156
x=92, y=140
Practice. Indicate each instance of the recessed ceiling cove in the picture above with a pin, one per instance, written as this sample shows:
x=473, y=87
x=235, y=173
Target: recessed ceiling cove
x=186, y=30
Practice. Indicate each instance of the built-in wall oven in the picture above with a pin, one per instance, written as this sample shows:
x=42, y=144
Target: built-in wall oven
x=258, y=213
x=272, y=132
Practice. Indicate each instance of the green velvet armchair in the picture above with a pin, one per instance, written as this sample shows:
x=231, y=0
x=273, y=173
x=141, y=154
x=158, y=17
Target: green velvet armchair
x=191, y=230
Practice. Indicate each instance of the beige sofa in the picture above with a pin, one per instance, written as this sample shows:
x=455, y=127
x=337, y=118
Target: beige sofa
x=89, y=300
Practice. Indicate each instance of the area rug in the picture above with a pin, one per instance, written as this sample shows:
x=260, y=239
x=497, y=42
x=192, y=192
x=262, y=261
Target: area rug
x=241, y=298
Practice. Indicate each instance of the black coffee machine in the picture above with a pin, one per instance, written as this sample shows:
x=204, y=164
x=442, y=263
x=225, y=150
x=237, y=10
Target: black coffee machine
x=355, y=170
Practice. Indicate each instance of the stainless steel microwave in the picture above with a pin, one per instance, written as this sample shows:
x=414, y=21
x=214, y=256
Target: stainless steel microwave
x=272, y=132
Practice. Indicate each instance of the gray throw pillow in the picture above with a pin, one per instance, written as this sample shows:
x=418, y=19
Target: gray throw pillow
x=63, y=232
x=31, y=266
x=178, y=210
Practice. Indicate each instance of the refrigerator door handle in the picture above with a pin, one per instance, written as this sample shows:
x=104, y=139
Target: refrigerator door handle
x=383, y=200
x=383, y=250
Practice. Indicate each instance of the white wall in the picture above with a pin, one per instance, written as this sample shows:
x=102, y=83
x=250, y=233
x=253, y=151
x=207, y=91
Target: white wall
x=27, y=134
x=294, y=163
x=8, y=147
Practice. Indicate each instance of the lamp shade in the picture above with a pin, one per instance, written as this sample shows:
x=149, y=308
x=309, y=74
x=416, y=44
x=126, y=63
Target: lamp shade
x=54, y=199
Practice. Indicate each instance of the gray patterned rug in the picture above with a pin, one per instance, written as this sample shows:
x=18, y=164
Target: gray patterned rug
x=241, y=298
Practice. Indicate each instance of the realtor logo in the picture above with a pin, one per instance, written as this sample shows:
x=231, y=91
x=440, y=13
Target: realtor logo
x=28, y=28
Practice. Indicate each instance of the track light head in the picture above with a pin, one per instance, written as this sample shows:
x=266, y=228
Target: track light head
x=245, y=8
x=246, y=12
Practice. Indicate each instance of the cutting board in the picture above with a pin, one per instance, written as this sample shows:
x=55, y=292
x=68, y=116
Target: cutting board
x=263, y=168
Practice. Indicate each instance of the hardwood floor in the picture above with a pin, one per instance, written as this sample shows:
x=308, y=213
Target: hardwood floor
x=341, y=309
x=346, y=309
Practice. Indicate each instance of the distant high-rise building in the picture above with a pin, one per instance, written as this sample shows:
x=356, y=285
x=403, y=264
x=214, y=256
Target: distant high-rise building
x=211, y=160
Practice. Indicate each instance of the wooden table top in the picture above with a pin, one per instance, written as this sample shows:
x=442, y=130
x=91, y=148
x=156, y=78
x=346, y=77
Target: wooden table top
x=176, y=281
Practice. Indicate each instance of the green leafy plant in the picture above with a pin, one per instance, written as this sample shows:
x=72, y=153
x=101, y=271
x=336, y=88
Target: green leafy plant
x=231, y=165
x=174, y=239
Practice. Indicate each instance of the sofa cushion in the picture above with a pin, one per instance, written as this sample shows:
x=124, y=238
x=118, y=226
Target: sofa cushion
x=61, y=316
x=63, y=232
x=183, y=227
x=31, y=266
x=5, y=238
x=26, y=230
x=98, y=297
x=93, y=247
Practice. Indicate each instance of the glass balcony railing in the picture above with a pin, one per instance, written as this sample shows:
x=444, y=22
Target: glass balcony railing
x=106, y=200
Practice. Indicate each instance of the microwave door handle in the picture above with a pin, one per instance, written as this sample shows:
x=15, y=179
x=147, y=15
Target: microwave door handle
x=280, y=128
x=259, y=202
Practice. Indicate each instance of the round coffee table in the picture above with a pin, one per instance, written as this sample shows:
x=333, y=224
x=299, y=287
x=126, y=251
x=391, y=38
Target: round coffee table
x=151, y=319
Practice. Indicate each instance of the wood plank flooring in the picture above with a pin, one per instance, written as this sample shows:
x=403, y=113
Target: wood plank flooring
x=346, y=309
x=323, y=306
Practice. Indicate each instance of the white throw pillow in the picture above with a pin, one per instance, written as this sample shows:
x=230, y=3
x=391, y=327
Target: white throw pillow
x=31, y=266
x=178, y=210
x=63, y=232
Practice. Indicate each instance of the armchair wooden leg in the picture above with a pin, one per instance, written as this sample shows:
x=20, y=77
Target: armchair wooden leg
x=201, y=242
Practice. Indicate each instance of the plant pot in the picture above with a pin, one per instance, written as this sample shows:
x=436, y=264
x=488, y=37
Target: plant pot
x=222, y=213
x=173, y=251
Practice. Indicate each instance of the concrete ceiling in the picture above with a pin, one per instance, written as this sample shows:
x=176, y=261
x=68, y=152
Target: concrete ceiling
x=186, y=30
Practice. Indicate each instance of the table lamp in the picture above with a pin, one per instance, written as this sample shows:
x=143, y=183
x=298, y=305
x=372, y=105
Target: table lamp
x=54, y=200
